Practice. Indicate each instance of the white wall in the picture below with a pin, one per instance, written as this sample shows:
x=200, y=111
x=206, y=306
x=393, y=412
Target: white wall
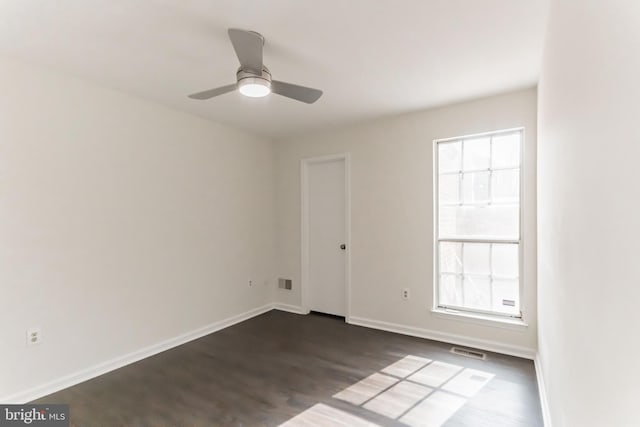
x=122, y=223
x=588, y=217
x=391, y=202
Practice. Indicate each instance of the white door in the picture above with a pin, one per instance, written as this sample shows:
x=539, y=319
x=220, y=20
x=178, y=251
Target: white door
x=326, y=218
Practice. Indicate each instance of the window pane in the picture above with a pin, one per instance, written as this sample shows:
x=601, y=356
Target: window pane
x=485, y=221
x=476, y=154
x=449, y=156
x=505, y=297
x=506, y=151
x=475, y=187
x=477, y=292
x=504, y=261
x=476, y=258
x=505, y=186
x=480, y=200
x=449, y=188
x=450, y=257
x=450, y=292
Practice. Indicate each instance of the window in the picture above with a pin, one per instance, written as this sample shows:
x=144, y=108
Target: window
x=477, y=223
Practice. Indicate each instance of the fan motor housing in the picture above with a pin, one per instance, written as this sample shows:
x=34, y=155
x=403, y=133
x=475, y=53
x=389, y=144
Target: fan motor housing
x=244, y=74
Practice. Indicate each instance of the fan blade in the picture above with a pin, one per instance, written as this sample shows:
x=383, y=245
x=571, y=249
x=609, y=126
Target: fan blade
x=248, y=46
x=300, y=93
x=213, y=92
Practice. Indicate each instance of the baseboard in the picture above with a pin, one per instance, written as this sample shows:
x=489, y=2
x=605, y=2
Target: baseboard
x=542, y=390
x=290, y=308
x=118, y=362
x=487, y=345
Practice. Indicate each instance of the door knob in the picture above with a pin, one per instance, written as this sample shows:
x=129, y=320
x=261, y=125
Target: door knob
x=343, y=246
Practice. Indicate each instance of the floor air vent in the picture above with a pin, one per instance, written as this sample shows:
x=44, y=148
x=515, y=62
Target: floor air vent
x=474, y=354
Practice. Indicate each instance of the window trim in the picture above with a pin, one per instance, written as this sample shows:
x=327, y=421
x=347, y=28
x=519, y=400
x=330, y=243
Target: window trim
x=467, y=312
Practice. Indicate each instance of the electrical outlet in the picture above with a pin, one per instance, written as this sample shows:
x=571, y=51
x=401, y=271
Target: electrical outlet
x=406, y=294
x=34, y=335
x=250, y=282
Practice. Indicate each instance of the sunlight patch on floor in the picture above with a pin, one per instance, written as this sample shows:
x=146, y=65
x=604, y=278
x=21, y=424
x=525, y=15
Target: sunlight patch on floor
x=468, y=382
x=398, y=399
x=405, y=366
x=364, y=390
x=434, y=411
x=322, y=415
x=436, y=374
x=416, y=391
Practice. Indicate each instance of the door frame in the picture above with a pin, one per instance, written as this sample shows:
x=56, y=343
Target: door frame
x=304, y=221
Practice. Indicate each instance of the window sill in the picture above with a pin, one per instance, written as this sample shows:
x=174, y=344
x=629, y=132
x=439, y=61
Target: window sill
x=480, y=319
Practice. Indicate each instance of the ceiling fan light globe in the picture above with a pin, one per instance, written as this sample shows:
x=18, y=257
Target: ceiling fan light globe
x=254, y=87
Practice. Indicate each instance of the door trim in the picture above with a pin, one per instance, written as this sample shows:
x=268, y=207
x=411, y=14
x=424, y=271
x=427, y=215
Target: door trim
x=304, y=221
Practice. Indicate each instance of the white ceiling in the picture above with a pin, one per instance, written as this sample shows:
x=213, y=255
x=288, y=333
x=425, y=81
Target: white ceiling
x=371, y=57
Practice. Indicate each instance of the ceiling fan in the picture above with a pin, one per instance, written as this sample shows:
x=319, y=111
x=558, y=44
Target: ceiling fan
x=253, y=78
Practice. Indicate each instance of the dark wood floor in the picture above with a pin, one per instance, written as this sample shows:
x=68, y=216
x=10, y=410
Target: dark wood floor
x=268, y=369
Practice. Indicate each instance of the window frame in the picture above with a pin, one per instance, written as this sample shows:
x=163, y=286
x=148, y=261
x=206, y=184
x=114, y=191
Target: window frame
x=487, y=314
